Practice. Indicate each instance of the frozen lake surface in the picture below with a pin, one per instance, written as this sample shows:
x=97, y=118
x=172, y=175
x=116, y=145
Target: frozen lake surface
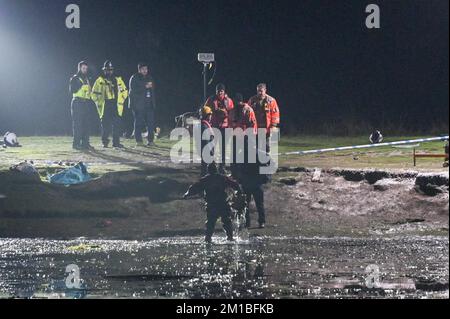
x=260, y=267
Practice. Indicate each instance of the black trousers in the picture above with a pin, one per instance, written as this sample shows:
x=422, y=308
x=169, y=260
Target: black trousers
x=213, y=213
x=267, y=137
x=225, y=142
x=204, y=166
x=144, y=118
x=80, y=110
x=257, y=192
x=111, y=123
x=242, y=150
x=127, y=123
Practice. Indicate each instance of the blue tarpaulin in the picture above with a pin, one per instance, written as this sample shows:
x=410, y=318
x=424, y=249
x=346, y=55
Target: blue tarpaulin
x=74, y=175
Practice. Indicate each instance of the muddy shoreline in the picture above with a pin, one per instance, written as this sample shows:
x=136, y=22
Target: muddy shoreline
x=132, y=236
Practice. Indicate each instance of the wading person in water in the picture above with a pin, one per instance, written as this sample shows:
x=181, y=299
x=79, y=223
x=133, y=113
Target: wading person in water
x=214, y=186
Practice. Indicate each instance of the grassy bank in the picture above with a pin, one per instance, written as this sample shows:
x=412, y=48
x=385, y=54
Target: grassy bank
x=49, y=152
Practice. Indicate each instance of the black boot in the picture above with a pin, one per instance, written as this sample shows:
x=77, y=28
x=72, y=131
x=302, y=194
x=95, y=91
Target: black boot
x=210, y=226
x=229, y=231
x=87, y=147
x=105, y=143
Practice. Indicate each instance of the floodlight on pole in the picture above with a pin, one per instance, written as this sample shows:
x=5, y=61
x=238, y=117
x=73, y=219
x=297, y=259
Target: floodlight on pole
x=206, y=59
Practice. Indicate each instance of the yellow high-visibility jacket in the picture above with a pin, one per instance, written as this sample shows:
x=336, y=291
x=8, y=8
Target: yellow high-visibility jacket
x=103, y=90
x=85, y=90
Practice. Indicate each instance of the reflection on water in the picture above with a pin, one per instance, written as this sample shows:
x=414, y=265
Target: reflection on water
x=263, y=267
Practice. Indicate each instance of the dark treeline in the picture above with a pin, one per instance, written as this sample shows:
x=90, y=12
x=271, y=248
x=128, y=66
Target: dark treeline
x=329, y=73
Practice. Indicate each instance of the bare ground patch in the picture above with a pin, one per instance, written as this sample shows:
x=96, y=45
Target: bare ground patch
x=147, y=203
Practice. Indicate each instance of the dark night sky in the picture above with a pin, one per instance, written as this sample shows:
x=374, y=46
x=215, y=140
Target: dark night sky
x=328, y=72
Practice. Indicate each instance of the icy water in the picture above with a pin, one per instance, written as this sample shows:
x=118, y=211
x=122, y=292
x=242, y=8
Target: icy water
x=261, y=267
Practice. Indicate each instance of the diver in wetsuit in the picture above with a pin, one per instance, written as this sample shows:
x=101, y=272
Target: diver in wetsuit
x=214, y=186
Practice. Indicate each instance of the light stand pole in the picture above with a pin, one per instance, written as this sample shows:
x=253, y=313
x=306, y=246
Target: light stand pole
x=205, y=70
x=206, y=59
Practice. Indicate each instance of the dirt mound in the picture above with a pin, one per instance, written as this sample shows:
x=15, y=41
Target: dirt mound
x=432, y=184
x=112, y=195
x=158, y=188
x=371, y=176
x=356, y=175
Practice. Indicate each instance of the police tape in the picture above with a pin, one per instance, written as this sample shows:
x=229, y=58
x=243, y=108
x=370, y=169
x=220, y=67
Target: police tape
x=354, y=147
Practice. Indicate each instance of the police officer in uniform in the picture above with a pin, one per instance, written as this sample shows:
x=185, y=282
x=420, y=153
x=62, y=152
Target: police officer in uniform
x=109, y=94
x=80, y=88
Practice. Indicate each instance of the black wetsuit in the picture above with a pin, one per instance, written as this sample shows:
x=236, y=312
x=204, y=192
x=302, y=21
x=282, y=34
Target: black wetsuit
x=252, y=181
x=214, y=188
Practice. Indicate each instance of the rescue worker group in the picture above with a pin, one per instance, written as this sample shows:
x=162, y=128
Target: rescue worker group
x=252, y=125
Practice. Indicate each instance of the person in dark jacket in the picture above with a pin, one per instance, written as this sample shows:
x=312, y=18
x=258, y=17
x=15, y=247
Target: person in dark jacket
x=214, y=186
x=80, y=88
x=249, y=176
x=142, y=102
